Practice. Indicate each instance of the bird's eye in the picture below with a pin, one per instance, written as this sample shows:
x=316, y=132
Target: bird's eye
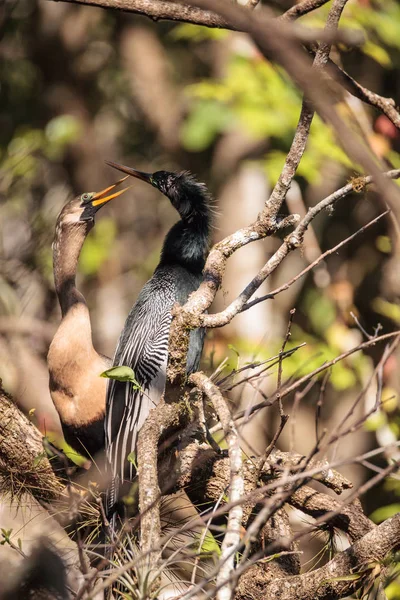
x=85, y=197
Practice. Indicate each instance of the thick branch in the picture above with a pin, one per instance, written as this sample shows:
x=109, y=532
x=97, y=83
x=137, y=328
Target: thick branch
x=163, y=416
x=303, y=8
x=159, y=10
x=351, y=519
x=200, y=463
x=185, y=13
x=24, y=466
x=332, y=580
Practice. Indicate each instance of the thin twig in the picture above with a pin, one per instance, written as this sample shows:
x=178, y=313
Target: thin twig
x=302, y=8
x=315, y=263
x=320, y=401
x=280, y=368
x=306, y=378
x=236, y=485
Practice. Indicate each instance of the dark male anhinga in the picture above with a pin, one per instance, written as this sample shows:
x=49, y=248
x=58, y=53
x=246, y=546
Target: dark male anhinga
x=77, y=390
x=143, y=344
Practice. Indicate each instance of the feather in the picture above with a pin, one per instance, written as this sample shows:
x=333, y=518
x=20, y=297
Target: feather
x=143, y=346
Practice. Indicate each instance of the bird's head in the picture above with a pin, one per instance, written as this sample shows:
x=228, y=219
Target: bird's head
x=82, y=209
x=91, y=202
x=187, y=195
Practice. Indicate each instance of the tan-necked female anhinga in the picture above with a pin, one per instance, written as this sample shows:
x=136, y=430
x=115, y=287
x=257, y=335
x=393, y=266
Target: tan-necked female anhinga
x=77, y=390
x=143, y=344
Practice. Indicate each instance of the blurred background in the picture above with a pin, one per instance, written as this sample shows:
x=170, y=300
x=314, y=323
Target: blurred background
x=79, y=85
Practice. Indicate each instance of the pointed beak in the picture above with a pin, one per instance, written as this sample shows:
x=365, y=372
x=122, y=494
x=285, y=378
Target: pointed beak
x=138, y=174
x=104, y=196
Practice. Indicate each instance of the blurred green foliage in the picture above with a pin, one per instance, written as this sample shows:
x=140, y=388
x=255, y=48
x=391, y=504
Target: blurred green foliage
x=20, y=161
x=258, y=97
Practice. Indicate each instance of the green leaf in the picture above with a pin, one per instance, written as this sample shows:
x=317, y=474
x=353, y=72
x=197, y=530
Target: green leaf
x=385, y=512
x=375, y=421
x=378, y=53
x=352, y=577
x=208, y=545
x=204, y=123
x=393, y=590
x=123, y=374
x=387, y=309
x=61, y=131
x=132, y=459
x=270, y=558
x=235, y=350
x=197, y=33
x=384, y=244
x=6, y=534
x=342, y=378
x=38, y=459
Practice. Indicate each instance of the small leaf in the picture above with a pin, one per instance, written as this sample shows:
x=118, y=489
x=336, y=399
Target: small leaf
x=123, y=374
x=31, y=413
x=208, y=545
x=6, y=533
x=235, y=350
x=272, y=557
x=39, y=458
x=132, y=459
x=385, y=512
x=377, y=53
x=128, y=500
x=387, y=309
x=352, y=577
x=384, y=244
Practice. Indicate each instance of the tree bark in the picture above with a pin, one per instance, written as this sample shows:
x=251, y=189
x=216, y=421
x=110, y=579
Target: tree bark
x=24, y=466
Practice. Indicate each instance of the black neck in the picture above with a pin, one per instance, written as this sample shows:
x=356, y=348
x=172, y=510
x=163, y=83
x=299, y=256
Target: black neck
x=187, y=242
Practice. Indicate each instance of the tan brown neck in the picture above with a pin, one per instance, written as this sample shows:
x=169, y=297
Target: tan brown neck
x=67, y=246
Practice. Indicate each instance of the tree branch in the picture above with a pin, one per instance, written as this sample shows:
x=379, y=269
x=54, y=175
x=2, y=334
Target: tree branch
x=294, y=386
x=293, y=241
x=302, y=8
x=316, y=262
x=236, y=485
x=186, y=13
x=159, y=10
x=161, y=418
x=386, y=105
x=350, y=518
x=332, y=580
x=24, y=466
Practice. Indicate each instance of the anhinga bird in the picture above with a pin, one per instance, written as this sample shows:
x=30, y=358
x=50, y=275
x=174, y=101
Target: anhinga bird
x=143, y=344
x=77, y=390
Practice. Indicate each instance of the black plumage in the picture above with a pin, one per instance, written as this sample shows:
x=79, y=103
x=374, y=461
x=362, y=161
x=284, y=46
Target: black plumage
x=143, y=344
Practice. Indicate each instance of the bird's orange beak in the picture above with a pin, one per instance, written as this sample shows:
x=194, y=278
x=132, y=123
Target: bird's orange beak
x=138, y=174
x=102, y=197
